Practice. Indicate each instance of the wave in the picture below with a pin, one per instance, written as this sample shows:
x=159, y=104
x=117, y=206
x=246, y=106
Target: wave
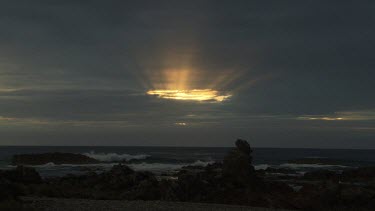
x=261, y=166
x=297, y=166
x=153, y=167
x=163, y=167
x=50, y=164
x=201, y=163
x=112, y=157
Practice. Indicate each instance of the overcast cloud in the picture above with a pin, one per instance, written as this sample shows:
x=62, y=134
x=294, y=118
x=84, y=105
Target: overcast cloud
x=75, y=72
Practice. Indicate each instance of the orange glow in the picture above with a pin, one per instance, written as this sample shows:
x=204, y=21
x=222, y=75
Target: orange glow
x=178, y=78
x=181, y=123
x=191, y=95
x=323, y=118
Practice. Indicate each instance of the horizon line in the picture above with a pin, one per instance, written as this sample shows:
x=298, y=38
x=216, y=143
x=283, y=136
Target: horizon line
x=169, y=146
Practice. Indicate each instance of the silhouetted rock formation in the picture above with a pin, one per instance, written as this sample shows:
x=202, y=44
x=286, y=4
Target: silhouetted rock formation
x=237, y=165
x=56, y=158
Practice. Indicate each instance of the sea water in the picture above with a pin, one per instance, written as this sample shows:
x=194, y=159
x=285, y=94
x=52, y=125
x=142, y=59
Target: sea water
x=170, y=159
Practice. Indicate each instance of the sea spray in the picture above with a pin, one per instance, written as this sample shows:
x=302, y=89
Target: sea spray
x=113, y=157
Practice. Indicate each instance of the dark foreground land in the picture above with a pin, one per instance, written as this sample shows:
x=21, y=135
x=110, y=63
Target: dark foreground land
x=56, y=204
x=232, y=182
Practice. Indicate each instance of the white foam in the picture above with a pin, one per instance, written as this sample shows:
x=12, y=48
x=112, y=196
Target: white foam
x=165, y=167
x=58, y=166
x=201, y=163
x=50, y=164
x=153, y=167
x=297, y=166
x=261, y=166
x=108, y=157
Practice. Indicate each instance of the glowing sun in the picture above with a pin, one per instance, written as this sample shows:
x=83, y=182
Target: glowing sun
x=208, y=95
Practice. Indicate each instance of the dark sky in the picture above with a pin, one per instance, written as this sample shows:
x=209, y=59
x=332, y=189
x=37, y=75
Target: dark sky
x=76, y=72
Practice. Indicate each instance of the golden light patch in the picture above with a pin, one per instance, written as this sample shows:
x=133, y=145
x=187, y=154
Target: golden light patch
x=323, y=118
x=181, y=123
x=208, y=95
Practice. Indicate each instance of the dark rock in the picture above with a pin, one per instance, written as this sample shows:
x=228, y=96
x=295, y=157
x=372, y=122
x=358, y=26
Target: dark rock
x=192, y=186
x=237, y=164
x=215, y=165
x=321, y=175
x=244, y=147
x=9, y=190
x=280, y=171
x=322, y=196
x=120, y=171
x=146, y=188
x=357, y=197
x=22, y=174
x=169, y=190
x=119, y=177
x=363, y=174
x=279, y=187
x=56, y=158
x=121, y=182
x=12, y=182
x=334, y=196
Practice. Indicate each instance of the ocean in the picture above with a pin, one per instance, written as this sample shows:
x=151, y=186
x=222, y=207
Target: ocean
x=170, y=159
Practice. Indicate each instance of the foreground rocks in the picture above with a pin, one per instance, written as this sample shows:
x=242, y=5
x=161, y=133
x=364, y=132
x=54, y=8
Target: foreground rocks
x=56, y=158
x=59, y=204
x=12, y=182
x=232, y=182
x=120, y=182
x=21, y=174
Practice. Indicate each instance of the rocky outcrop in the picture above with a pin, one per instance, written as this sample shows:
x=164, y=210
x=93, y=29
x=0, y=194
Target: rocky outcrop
x=56, y=158
x=237, y=165
x=321, y=175
x=21, y=174
x=12, y=182
x=9, y=190
x=329, y=195
x=363, y=173
x=121, y=182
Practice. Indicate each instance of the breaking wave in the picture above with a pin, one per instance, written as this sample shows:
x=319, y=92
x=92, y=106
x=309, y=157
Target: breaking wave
x=261, y=166
x=51, y=169
x=161, y=167
x=113, y=157
x=297, y=166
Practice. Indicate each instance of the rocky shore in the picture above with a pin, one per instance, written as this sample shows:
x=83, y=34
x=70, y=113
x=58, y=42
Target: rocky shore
x=56, y=158
x=234, y=182
x=59, y=204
